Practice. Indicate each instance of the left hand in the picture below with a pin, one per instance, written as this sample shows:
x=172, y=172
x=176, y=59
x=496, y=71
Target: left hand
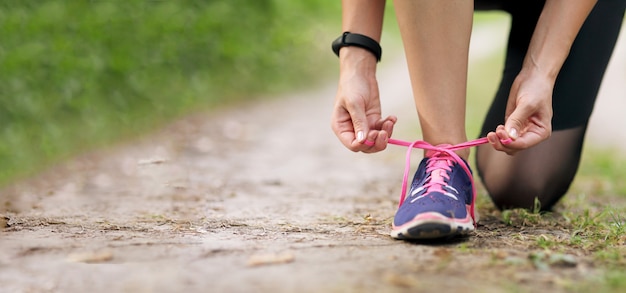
x=528, y=119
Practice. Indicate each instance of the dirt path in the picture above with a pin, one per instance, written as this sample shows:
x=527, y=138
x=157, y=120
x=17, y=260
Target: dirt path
x=256, y=199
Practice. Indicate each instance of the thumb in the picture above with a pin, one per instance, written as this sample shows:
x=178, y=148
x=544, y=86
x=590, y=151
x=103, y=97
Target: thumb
x=516, y=121
x=359, y=123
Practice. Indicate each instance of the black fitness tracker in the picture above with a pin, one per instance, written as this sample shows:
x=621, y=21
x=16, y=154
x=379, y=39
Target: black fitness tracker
x=358, y=40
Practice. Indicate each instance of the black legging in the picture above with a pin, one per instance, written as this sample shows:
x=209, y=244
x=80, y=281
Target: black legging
x=546, y=171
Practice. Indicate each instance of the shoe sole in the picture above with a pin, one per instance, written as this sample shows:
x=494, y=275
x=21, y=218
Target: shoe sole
x=432, y=226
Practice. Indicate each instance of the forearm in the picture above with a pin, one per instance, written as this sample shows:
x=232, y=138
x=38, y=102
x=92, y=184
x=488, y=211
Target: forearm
x=363, y=17
x=366, y=18
x=556, y=30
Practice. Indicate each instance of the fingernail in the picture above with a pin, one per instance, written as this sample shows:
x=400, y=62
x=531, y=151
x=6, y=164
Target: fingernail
x=360, y=136
x=513, y=133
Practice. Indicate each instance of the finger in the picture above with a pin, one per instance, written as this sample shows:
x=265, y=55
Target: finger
x=517, y=121
x=388, y=127
x=380, y=123
x=359, y=122
x=500, y=141
x=492, y=137
x=527, y=139
x=348, y=139
x=495, y=141
x=387, y=124
x=343, y=128
x=392, y=118
x=376, y=141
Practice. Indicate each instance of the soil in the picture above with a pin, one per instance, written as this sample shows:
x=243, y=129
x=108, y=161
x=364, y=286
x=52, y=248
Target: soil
x=257, y=198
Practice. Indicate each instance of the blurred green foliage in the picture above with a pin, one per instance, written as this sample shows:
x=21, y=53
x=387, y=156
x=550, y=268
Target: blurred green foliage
x=81, y=74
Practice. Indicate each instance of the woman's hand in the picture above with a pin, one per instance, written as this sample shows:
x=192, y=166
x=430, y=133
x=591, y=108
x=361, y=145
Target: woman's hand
x=529, y=109
x=528, y=119
x=356, y=116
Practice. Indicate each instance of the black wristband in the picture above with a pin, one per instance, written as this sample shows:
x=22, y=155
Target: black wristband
x=358, y=40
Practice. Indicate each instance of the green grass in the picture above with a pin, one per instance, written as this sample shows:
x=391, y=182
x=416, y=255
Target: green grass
x=77, y=75
x=589, y=224
x=588, y=229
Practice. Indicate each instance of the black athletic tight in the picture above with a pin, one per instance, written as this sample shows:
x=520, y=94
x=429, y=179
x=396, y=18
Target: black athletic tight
x=546, y=171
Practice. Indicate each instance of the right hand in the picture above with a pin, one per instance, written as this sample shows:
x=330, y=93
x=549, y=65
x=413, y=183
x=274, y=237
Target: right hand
x=356, y=117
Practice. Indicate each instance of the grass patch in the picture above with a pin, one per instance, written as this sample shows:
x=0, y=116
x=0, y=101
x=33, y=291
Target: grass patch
x=587, y=230
x=83, y=74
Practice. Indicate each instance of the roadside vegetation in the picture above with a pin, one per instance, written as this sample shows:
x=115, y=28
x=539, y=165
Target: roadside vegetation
x=78, y=75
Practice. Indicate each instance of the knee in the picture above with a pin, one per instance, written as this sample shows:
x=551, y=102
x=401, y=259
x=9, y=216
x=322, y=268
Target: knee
x=513, y=198
x=537, y=196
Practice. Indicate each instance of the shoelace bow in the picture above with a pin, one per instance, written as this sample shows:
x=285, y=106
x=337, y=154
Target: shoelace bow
x=441, y=149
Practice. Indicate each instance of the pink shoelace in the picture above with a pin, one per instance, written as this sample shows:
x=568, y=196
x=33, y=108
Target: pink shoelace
x=445, y=149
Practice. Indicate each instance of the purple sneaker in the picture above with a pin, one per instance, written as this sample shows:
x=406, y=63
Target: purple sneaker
x=440, y=202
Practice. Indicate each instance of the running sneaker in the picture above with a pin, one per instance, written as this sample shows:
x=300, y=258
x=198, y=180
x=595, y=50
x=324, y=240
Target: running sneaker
x=440, y=202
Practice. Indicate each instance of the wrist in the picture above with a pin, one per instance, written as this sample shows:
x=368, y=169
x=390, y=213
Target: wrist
x=357, y=61
x=546, y=58
x=348, y=39
x=533, y=68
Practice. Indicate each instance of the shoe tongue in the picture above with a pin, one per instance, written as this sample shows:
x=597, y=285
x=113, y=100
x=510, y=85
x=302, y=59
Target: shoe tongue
x=436, y=175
